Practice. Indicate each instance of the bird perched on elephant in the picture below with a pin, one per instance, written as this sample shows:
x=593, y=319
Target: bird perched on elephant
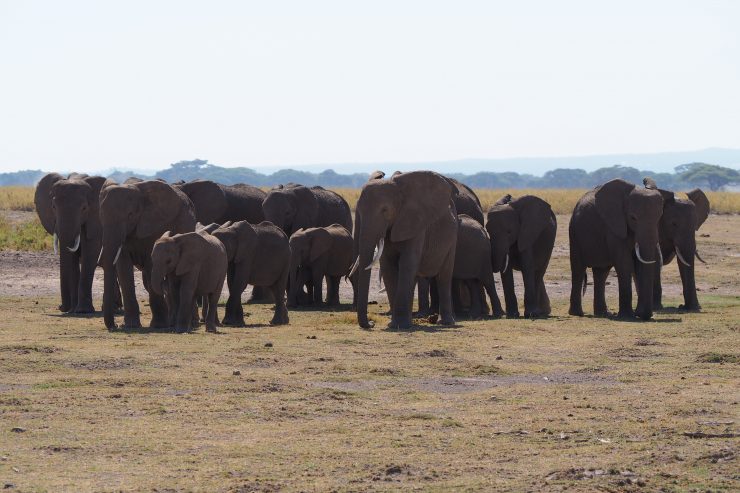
x=615, y=225
x=677, y=236
x=473, y=266
x=133, y=217
x=68, y=209
x=522, y=232
x=258, y=254
x=412, y=220
x=192, y=265
x=292, y=207
x=327, y=253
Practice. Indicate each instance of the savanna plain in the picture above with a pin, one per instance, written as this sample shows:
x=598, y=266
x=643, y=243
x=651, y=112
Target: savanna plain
x=564, y=403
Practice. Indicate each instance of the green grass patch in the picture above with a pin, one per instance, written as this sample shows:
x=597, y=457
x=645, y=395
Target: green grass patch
x=27, y=236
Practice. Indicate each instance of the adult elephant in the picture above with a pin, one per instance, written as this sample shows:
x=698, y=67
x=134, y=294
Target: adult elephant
x=615, y=225
x=292, y=207
x=216, y=203
x=412, y=220
x=522, y=232
x=68, y=209
x=133, y=217
x=677, y=235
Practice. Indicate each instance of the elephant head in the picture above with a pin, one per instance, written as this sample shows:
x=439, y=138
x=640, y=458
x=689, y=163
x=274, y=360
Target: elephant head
x=515, y=222
x=632, y=212
x=239, y=240
x=306, y=245
x=291, y=207
x=679, y=222
x=68, y=208
x=395, y=210
x=176, y=255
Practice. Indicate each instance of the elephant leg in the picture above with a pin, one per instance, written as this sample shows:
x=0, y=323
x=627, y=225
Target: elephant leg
x=529, y=275
x=160, y=316
x=457, y=300
x=507, y=281
x=260, y=294
x=484, y=308
x=577, y=283
x=88, y=262
x=543, y=301
x=476, y=305
x=600, y=276
x=624, y=277
x=406, y=276
x=117, y=300
x=173, y=300
x=690, y=299
x=125, y=271
x=317, y=279
x=209, y=306
x=423, y=296
x=490, y=287
x=334, y=299
x=444, y=289
x=434, y=295
x=278, y=292
x=658, y=288
x=389, y=273
x=185, y=307
x=234, y=310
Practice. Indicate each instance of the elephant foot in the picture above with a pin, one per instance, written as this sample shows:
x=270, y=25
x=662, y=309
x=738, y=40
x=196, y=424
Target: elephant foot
x=234, y=322
x=535, y=314
x=603, y=314
x=84, y=308
x=690, y=308
x=64, y=308
x=157, y=323
x=659, y=306
x=644, y=314
x=280, y=321
x=182, y=330
x=367, y=325
x=447, y=321
x=512, y=314
x=132, y=322
x=626, y=315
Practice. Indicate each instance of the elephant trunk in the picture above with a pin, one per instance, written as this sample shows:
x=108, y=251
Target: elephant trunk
x=685, y=253
x=109, y=255
x=294, y=280
x=646, y=275
x=68, y=232
x=363, y=269
x=157, y=279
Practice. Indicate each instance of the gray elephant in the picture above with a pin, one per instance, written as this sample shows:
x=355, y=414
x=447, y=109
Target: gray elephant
x=473, y=266
x=217, y=203
x=676, y=232
x=258, y=254
x=133, y=217
x=468, y=203
x=68, y=209
x=193, y=265
x=327, y=253
x=522, y=232
x=292, y=207
x=615, y=225
x=411, y=218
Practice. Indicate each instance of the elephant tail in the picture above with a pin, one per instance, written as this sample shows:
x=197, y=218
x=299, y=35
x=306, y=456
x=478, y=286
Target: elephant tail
x=585, y=282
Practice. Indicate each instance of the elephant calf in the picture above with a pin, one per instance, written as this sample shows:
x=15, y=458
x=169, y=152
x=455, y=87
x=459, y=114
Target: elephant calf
x=326, y=252
x=194, y=264
x=258, y=254
x=522, y=232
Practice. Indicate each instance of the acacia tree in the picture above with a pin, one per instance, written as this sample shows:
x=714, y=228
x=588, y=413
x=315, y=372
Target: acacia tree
x=715, y=176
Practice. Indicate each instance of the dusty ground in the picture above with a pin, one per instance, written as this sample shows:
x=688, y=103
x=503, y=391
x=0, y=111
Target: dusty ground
x=509, y=405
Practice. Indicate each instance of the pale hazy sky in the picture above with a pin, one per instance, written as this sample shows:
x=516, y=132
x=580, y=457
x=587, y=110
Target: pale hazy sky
x=88, y=85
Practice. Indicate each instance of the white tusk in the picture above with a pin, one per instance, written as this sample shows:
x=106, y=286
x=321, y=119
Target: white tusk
x=680, y=257
x=76, y=245
x=506, y=264
x=639, y=257
x=100, y=256
x=377, y=255
x=660, y=255
x=56, y=244
x=118, y=254
x=696, y=252
x=354, y=268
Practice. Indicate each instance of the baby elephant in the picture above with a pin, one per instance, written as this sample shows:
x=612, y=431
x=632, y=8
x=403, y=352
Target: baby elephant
x=258, y=254
x=194, y=265
x=522, y=232
x=325, y=252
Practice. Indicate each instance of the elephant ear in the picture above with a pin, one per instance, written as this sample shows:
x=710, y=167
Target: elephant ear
x=307, y=207
x=191, y=252
x=160, y=205
x=208, y=198
x=425, y=197
x=702, y=205
x=534, y=214
x=42, y=201
x=93, y=228
x=610, y=200
x=321, y=242
x=246, y=241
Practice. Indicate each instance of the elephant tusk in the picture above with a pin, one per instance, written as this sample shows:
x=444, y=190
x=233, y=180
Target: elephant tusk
x=353, y=269
x=680, y=257
x=378, y=253
x=660, y=255
x=697, y=256
x=506, y=264
x=76, y=245
x=100, y=256
x=56, y=244
x=639, y=257
x=118, y=254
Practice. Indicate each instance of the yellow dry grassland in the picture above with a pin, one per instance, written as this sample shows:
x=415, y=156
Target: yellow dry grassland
x=16, y=198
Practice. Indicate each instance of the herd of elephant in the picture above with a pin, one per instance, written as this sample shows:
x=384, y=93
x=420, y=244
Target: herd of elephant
x=424, y=229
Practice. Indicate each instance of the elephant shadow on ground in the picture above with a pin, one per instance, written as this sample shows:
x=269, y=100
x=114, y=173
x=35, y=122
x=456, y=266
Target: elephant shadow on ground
x=423, y=328
x=343, y=307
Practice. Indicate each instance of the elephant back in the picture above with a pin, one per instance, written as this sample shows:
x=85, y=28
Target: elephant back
x=243, y=202
x=467, y=202
x=333, y=209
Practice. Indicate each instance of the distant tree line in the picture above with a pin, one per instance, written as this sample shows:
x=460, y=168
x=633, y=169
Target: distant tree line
x=686, y=176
